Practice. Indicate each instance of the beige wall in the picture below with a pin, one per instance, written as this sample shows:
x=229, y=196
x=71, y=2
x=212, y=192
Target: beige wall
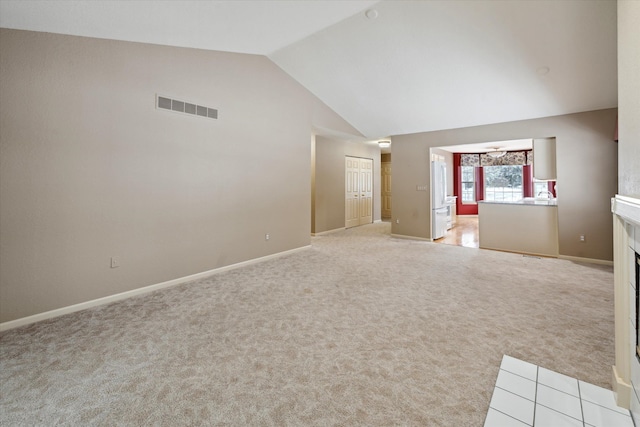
x=90, y=169
x=629, y=97
x=586, y=166
x=330, y=180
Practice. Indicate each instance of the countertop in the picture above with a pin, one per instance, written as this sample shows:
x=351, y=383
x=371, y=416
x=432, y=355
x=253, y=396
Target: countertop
x=526, y=201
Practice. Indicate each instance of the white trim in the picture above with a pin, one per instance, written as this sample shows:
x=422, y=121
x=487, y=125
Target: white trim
x=626, y=210
x=621, y=389
x=322, y=233
x=587, y=260
x=623, y=349
x=402, y=236
x=139, y=291
x=626, y=207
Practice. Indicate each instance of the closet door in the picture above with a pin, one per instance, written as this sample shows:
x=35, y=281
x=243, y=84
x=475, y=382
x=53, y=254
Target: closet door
x=352, y=191
x=358, y=191
x=366, y=191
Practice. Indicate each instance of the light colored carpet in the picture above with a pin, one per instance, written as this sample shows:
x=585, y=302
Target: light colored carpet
x=361, y=329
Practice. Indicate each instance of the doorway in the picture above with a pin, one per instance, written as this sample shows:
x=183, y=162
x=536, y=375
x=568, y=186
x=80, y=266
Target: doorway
x=464, y=232
x=358, y=191
x=386, y=189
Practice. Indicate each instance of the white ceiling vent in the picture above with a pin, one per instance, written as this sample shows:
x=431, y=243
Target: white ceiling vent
x=166, y=103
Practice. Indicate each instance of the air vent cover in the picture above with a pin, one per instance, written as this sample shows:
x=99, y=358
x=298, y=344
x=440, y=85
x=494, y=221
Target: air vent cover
x=170, y=104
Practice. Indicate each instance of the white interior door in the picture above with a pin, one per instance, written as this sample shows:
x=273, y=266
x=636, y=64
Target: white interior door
x=359, y=191
x=352, y=190
x=366, y=191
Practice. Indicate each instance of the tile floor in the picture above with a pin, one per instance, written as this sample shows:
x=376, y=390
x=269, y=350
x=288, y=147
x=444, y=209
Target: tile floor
x=529, y=395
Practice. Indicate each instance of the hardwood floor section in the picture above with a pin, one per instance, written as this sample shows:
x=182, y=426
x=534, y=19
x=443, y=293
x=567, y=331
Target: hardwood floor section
x=464, y=233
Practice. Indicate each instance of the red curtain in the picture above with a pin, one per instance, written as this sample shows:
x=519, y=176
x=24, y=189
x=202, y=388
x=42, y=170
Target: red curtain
x=527, y=181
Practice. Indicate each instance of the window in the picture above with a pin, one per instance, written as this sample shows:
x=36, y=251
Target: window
x=503, y=183
x=468, y=184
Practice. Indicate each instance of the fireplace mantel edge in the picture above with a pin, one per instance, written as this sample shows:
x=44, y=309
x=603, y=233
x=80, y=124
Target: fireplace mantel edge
x=628, y=208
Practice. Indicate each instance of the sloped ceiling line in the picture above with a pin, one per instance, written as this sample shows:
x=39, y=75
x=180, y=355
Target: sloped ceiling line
x=417, y=66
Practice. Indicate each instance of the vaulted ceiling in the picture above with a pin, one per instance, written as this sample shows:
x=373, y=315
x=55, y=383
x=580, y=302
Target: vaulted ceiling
x=387, y=67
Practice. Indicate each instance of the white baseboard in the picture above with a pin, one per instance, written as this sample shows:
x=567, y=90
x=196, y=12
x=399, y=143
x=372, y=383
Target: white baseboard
x=322, y=233
x=621, y=390
x=140, y=291
x=402, y=236
x=587, y=260
x=530, y=254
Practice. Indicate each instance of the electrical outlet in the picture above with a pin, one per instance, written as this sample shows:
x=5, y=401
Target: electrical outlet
x=267, y=237
x=397, y=221
x=582, y=238
x=115, y=261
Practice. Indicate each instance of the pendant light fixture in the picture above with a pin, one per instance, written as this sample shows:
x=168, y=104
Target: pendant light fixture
x=497, y=152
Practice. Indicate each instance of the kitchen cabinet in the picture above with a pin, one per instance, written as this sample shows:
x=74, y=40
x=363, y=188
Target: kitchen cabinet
x=544, y=159
x=451, y=211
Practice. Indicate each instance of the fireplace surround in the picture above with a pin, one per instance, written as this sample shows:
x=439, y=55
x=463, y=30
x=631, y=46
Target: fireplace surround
x=637, y=310
x=626, y=246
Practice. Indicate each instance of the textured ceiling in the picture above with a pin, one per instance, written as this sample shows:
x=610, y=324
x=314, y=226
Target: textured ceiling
x=243, y=26
x=418, y=66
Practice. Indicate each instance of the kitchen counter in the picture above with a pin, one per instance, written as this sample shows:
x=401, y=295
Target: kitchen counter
x=528, y=226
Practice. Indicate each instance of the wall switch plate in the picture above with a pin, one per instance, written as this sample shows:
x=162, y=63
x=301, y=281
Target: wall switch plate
x=115, y=261
x=397, y=221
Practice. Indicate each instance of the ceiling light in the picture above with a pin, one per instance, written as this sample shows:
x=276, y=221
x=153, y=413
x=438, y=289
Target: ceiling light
x=384, y=144
x=497, y=152
x=371, y=14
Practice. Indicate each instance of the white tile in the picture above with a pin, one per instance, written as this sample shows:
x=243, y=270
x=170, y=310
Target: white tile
x=517, y=384
x=597, y=416
x=498, y=419
x=600, y=396
x=546, y=417
x=560, y=401
x=512, y=405
x=519, y=367
x=558, y=381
